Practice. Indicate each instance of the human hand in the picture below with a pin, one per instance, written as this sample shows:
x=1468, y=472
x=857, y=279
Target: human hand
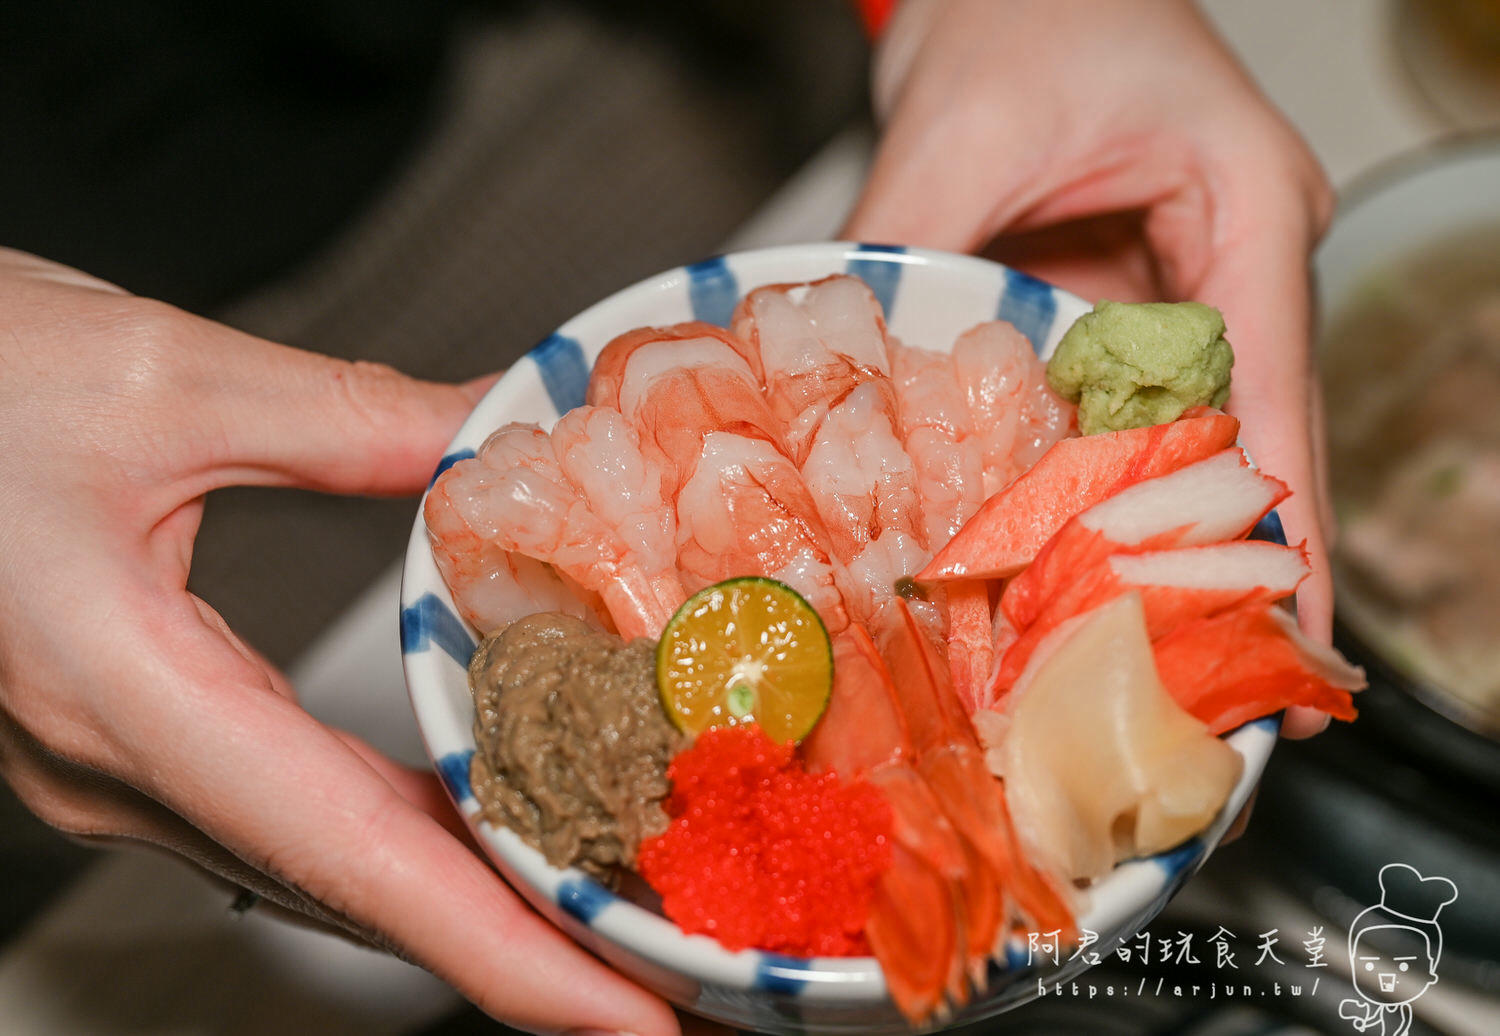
x=130, y=711
x=1117, y=149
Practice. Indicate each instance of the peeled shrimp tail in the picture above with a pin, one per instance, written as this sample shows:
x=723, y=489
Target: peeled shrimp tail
x=638, y=606
x=861, y=728
x=949, y=758
x=919, y=922
x=971, y=648
x=1024, y=896
x=915, y=951
x=952, y=761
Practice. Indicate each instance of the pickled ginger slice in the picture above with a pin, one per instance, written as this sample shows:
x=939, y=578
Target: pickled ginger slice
x=1100, y=763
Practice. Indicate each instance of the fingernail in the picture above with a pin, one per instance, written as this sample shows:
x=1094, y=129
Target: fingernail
x=1296, y=713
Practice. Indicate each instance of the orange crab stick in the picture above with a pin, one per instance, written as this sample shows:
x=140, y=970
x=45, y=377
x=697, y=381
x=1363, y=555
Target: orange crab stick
x=1175, y=586
x=1250, y=662
x=1074, y=474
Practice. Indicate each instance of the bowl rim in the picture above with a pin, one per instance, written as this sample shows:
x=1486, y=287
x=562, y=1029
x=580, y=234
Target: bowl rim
x=1127, y=898
x=1386, y=173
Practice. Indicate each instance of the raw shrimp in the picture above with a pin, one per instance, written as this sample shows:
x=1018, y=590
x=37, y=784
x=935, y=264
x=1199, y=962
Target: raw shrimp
x=859, y=473
x=746, y=511
x=1015, y=413
x=949, y=756
x=864, y=487
x=514, y=496
x=938, y=432
x=895, y=722
x=917, y=925
x=741, y=505
x=492, y=587
x=823, y=352
x=676, y=384
x=814, y=342
x=600, y=454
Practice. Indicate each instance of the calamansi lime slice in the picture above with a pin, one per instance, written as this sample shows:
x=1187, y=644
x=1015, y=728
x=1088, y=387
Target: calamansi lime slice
x=747, y=650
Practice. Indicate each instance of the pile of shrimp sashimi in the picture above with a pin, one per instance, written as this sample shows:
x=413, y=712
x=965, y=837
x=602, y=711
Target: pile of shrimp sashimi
x=1036, y=635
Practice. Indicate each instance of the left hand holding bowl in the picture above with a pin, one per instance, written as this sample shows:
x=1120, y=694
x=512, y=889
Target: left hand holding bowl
x=128, y=708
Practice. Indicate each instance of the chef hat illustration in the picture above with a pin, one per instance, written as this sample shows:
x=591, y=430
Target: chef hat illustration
x=1407, y=900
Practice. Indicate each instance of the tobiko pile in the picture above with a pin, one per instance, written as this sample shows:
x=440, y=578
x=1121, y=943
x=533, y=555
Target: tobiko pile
x=995, y=651
x=762, y=854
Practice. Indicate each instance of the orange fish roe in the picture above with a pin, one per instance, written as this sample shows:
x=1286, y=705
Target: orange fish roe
x=762, y=854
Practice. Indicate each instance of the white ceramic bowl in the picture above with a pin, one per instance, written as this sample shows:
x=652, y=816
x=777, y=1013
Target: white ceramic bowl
x=1401, y=205
x=929, y=298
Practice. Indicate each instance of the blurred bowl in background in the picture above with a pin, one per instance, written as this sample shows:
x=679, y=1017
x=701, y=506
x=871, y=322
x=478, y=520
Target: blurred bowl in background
x=1410, y=355
x=1451, y=51
x=1411, y=383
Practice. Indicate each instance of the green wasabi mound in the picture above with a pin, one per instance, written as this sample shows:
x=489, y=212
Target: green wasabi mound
x=1129, y=365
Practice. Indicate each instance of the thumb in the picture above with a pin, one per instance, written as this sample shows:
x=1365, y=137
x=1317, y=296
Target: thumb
x=289, y=417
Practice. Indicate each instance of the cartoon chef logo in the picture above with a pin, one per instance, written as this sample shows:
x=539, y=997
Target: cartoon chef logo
x=1394, y=948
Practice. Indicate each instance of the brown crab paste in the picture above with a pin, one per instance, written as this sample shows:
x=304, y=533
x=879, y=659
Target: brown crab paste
x=572, y=745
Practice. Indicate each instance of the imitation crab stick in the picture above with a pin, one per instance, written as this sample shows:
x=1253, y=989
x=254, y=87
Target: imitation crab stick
x=1210, y=501
x=1250, y=662
x=1074, y=474
x=1175, y=587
